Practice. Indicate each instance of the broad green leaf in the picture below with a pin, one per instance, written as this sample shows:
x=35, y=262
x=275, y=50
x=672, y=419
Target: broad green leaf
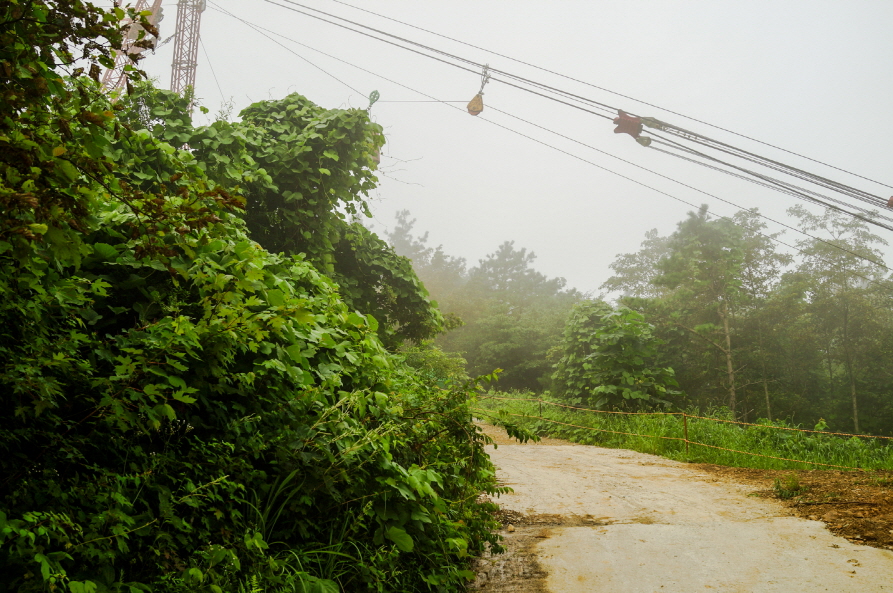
x=276, y=297
x=401, y=539
x=67, y=169
x=105, y=251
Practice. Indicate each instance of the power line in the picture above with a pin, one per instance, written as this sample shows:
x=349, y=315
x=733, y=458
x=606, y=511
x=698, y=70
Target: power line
x=258, y=29
x=769, y=163
x=770, y=183
x=211, y=66
x=776, y=184
x=441, y=60
x=606, y=90
x=714, y=196
x=582, y=159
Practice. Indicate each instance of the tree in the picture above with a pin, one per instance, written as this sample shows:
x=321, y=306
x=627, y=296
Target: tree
x=610, y=358
x=501, y=314
x=703, y=272
x=841, y=271
x=305, y=171
x=513, y=316
x=634, y=273
x=761, y=268
x=443, y=275
x=182, y=408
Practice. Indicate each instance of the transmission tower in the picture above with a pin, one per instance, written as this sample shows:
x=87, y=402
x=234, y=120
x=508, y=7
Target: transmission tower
x=114, y=78
x=189, y=18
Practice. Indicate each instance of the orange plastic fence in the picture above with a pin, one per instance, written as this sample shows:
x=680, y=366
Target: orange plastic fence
x=632, y=434
x=684, y=440
x=590, y=410
x=548, y=403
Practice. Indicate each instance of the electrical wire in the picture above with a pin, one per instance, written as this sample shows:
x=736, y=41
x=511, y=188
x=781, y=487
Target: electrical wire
x=211, y=66
x=606, y=90
x=779, y=185
x=773, y=184
x=683, y=184
x=441, y=60
x=738, y=175
x=775, y=165
x=258, y=29
x=584, y=160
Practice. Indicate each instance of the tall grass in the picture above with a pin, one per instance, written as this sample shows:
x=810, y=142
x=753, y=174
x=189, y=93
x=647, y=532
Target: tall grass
x=758, y=444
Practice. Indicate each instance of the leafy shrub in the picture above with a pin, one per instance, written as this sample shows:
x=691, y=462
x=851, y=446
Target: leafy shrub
x=609, y=357
x=789, y=487
x=182, y=409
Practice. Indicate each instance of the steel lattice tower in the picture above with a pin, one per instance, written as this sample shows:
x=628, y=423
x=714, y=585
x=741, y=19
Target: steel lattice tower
x=114, y=78
x=189, y=18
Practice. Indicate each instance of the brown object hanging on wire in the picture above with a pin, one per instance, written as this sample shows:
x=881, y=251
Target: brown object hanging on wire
x=627, y=124
x=476, y=105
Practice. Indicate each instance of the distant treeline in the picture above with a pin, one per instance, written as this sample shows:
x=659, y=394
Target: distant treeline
x=741, y=323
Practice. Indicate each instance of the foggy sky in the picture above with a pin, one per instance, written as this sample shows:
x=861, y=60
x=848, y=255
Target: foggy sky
x=813, y=77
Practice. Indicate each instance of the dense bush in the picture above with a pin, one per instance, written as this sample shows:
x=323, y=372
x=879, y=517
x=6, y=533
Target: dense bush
x=182, y=409
x=609, y=357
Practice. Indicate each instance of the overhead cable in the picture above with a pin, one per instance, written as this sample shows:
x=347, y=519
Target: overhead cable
x=589, y=84
x=692, y=136
x=288, y=49
x=582, y=159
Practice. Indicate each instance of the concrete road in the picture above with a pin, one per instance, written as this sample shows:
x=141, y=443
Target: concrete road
x=641, y=523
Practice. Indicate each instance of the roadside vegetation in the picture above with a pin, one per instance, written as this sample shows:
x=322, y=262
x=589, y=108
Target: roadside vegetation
x=664, y=435
x=715, y=315
x=201, y=380
x=214, y=377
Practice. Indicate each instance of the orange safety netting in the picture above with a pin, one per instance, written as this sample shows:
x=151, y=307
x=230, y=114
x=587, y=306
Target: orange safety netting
x=548, y=403
x=652, y=436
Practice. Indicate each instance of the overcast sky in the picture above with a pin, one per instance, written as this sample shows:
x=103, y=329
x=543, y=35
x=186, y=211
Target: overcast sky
x=813, y=77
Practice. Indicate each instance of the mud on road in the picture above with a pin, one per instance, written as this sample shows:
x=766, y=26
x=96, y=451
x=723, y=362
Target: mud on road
x=590, y=519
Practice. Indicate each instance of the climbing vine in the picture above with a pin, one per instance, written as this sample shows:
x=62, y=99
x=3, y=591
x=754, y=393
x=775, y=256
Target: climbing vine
x=183, y=408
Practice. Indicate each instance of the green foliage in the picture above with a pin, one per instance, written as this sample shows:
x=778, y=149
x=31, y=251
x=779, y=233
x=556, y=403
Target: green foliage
x=182, y=408
x=435, y=365
x=511, y=315
x=662, y=434
x=789, y=487
x=317, y=165
x=305, y=171
x=610, y=358
x=778, y=335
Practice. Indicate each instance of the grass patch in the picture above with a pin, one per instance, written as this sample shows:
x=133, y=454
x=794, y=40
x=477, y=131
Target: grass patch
x=710, y=440
x=788, y=487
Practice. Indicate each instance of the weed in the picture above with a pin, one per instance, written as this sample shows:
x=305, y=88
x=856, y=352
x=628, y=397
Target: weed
x=789, y=487
x=769, y=445
x=882, y=481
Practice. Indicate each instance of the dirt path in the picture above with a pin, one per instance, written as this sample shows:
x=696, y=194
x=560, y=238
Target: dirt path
x=590, y=519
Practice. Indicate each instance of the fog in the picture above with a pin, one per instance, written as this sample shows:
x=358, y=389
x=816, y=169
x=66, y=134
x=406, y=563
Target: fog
x=811, y=77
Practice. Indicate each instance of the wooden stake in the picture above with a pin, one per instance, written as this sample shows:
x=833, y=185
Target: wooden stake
x=685, y=430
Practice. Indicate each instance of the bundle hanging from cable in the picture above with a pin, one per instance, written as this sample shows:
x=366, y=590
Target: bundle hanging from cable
x=635, y=125
x=630, y=123
x=773, y=238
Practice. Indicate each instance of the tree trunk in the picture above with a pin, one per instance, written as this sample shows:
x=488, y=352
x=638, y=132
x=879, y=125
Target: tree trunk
x=763, y=372
x=849, y=367
x=730, y=368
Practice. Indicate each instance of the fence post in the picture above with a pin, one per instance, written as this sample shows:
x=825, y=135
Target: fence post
x=685, y=430
x=541, y=407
